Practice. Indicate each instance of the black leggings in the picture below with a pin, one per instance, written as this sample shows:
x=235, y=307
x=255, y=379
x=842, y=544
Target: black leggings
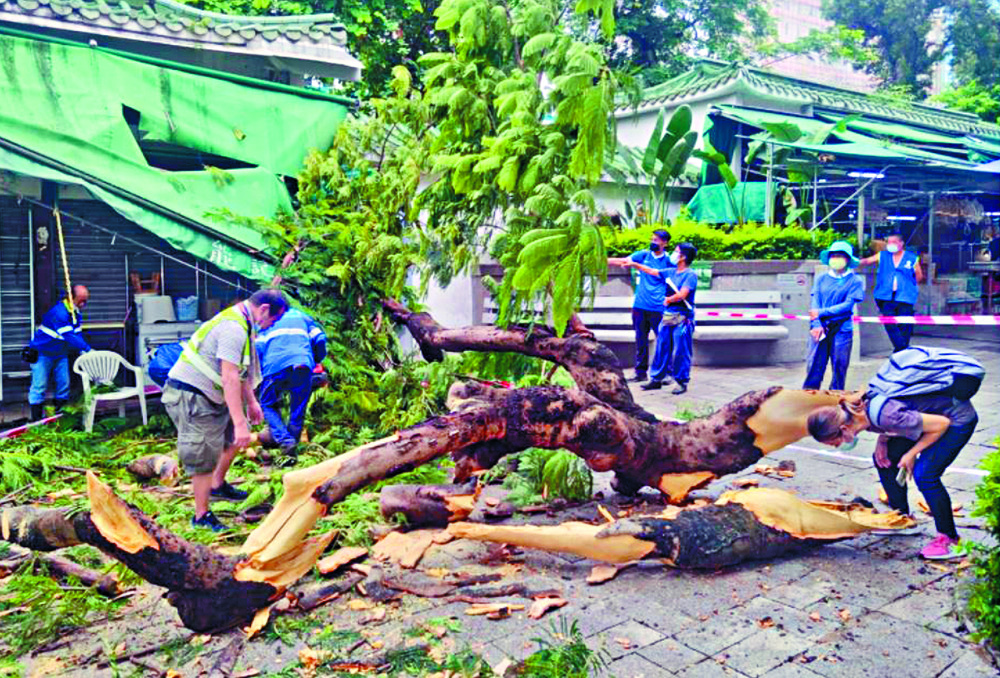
x=927, y=472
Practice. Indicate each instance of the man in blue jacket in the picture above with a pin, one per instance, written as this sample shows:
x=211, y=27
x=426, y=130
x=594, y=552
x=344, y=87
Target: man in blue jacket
x=834, y=295
x=896, y=288
x=289, y=350
x=647, y=307
x=59, y=332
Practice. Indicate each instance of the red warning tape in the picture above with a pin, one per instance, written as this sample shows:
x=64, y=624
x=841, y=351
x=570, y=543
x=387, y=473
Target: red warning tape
x=880, y=319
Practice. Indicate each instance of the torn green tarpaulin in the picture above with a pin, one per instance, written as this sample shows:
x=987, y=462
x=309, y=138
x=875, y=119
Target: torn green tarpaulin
x=711, y=203
x=67, y=102
x=200, y=245
x=896, y=130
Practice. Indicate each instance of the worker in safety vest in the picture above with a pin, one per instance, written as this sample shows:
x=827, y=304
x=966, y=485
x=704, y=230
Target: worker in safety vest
x=896, y=288
x=49, y=350
x=289, y=350
x=209, y=395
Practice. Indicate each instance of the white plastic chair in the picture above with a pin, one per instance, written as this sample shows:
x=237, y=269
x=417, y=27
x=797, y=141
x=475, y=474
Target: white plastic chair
x=102, y=367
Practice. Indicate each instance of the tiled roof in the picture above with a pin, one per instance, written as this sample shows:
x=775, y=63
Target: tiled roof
x=176, y=20
x=707, y=77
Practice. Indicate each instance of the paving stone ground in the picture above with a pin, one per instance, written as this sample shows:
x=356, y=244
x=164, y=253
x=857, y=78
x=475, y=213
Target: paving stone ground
x=865, y=607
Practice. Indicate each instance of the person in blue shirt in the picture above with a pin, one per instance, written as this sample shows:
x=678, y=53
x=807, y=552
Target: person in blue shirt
x=289, y=350
x=60, y=331
x=896, y=283
x=647, y=307
x=674, y=347
x=831, y=332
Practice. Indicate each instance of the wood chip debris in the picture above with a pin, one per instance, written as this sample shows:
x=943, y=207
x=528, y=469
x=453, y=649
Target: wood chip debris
x=340, y=558
x=765, y=622
x=404, y=548
x=259, y=622
x=602, y=573
x=543, y=605
x=745, y=482
x=784, y=469
x=493, y=610
x=605, y=513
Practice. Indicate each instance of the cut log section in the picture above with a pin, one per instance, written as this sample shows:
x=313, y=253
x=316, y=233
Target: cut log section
x=747, y=525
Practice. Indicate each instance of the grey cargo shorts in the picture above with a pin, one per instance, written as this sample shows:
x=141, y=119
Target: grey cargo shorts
x=204, y=429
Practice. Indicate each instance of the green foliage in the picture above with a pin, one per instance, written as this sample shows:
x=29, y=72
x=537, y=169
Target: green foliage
x=752, y=241
x=37, y=610
x=900, y=33
x=983, y=100
x=665, y=160
x=536, y=475
x=563, y=653
x=984, y=601
x=382, y=34
x=657, y=38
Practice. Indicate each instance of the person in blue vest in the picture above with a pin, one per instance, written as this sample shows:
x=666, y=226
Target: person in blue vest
x=896, y=283
x=674, y=347
x=831, y=332
x=647, y=307
x=60, y=332
x=289, y=350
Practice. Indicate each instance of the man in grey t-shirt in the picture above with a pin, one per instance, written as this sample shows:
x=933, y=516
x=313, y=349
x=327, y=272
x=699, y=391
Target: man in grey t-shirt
x=209, y=395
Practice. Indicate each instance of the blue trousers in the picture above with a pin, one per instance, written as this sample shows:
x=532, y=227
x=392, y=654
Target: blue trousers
x=899, y=335
x=674, y=347
x=643, y=322
x=835, y=349
x=927, y=472
x=297, y=382
x=56, y=366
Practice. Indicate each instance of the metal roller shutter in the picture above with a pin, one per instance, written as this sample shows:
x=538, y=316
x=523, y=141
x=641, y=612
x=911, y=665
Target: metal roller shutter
x=15, y=298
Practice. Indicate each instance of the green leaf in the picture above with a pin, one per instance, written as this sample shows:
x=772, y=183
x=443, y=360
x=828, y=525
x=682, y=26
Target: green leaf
x=649, y=158
x=538, y=44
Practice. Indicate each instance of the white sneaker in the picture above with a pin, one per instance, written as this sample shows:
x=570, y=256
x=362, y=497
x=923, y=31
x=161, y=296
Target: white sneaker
x=903, y=531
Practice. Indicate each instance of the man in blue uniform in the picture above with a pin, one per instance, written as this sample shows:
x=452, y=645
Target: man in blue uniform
x=834, y=295
x=59, y=332
x=289, y=350
x=674, y=339
x=896, y=286
x=647, y=307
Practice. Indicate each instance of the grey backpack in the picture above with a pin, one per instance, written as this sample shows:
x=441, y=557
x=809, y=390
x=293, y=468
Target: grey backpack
x=919, y=370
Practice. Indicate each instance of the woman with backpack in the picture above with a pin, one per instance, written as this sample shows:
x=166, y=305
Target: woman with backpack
x=919, y=404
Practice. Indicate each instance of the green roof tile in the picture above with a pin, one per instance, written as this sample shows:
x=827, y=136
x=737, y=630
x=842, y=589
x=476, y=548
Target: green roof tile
x=180, y=18
x=707, y=76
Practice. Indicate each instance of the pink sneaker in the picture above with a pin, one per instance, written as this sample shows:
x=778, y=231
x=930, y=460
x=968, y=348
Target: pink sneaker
x=942, y=548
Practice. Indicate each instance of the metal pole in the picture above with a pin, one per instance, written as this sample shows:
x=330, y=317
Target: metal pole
x=930, y=235
x=815, y=194
x=861, y=223
x=769, y=201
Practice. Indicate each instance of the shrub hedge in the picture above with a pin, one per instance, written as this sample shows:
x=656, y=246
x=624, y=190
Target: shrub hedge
x=715, y=243
x=984, y=599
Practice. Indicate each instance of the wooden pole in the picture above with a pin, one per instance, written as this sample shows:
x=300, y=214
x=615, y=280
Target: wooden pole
x=65, y=263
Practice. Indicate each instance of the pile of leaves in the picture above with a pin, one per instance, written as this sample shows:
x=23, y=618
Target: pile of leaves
x=984, y=601
x=721, y=243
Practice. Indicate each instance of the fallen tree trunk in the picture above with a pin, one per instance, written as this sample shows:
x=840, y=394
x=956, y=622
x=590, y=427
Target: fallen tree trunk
x=599, y=421
x=756, y=524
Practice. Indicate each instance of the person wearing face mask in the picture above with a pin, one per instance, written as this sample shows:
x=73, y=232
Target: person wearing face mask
x=832, y=307
x=647, y=307
x=60, y=332
x=209, y=395
x=896, y=289
x=919, y=435
x=674, y=347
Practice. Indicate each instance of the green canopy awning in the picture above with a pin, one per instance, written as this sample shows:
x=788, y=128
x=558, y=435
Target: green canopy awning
x=711, y=204
x=896, y=131
x=63, y=116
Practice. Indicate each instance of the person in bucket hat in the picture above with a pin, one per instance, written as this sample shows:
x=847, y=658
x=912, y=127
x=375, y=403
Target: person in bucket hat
x=831, y=332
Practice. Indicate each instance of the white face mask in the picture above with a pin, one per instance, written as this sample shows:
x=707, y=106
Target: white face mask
x=892, y=248
x=675, y=258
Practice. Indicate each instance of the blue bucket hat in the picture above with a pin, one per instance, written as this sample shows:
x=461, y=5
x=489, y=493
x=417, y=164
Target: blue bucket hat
x=843, y=247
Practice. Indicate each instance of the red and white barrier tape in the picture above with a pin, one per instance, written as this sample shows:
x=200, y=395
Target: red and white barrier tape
x=880, y=319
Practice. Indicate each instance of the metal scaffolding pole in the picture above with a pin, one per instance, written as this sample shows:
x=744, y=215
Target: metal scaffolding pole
x=861, y=222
